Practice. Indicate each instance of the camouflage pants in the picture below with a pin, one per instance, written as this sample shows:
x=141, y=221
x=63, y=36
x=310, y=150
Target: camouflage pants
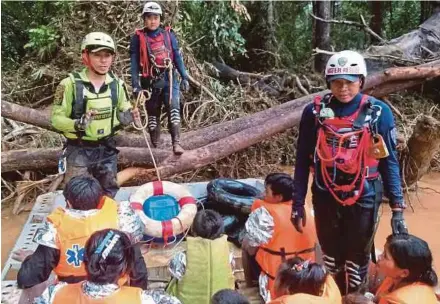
x=100, y=162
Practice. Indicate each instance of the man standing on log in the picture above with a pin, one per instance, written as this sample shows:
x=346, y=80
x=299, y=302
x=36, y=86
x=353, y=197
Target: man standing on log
x=155, y=54
x=348, y=140
x=89, y=108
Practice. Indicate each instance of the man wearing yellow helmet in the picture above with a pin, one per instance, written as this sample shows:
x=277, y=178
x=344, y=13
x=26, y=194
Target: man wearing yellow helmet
x=89, y=108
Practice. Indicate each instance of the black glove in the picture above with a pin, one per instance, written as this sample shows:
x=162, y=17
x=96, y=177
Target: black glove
x=185, y=85
x=398, y=224
x=298, y=217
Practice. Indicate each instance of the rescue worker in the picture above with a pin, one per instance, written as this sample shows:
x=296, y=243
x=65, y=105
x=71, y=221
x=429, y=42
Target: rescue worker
x=89, y=108
x=205, y=267
x=407, y=265
x=155, y=56
x=349, y=141
x=108, y=257
x=62, y=239
x=302, y=281
x=271, y=238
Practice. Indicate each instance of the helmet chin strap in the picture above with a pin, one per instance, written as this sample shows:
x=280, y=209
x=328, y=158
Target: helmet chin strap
x=86, y=62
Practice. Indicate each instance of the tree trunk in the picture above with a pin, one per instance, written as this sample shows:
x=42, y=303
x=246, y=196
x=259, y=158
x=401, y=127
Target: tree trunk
x=423, y=144
x=376, y=22
x=321, y=35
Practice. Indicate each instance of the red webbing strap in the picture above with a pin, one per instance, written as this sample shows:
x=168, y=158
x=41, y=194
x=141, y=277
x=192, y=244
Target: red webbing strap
x=145, y=64
x=186, y=200
x=157, y=188
x=136, y=206
x=168, y=38
x=167, y=230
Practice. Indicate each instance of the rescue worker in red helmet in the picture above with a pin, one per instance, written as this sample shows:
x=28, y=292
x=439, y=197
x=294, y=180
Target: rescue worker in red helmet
x=155, y=56
x=348, y=140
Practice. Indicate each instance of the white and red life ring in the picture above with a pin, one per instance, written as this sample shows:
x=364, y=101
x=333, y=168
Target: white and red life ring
x=173, y=227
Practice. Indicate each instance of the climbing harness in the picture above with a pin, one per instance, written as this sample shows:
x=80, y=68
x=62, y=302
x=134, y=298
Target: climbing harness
x=346, y=145
x=143, y=97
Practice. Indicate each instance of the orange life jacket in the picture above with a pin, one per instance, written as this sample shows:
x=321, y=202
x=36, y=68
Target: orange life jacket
x=154, y=50
x=73, y=294
x=73, y=234
x=331, y=295
x=286, y=242
x=343, y=148
x=413, y=293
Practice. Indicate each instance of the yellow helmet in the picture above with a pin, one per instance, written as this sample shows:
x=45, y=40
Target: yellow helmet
x=98, y=41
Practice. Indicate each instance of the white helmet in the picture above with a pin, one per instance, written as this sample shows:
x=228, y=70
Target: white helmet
x=97, y=41
x=345, y=65
x=152, y=8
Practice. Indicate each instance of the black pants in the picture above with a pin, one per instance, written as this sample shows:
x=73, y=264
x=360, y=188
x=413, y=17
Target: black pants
x=346, y=234
x=98, y=161
x=160, y=97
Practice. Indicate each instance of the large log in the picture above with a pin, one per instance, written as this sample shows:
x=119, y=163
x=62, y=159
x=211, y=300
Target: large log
x=423, y=144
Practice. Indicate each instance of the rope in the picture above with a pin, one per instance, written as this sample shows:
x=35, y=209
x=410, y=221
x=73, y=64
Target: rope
x=143, y=97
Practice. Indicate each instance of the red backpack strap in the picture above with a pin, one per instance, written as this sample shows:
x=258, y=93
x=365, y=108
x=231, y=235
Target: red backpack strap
x=167, y=34
x=143, y=53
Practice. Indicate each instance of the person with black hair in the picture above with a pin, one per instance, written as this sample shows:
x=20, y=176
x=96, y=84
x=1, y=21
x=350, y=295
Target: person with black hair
x=407, y=264
x=302, y=281
x=205, y=267
x=229, y=296
x=270, y=230
x=62, y=239
x=108, y=258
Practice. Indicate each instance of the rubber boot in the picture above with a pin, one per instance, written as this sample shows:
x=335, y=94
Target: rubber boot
x=155, y=136
x=175, y=138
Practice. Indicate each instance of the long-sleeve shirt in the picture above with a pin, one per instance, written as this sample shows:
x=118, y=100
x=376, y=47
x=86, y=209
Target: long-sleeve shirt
x=135, y=56
x=37, y=267
x=388, y=167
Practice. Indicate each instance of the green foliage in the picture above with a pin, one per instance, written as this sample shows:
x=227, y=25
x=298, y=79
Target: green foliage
x=215, y=25
x=44, y=40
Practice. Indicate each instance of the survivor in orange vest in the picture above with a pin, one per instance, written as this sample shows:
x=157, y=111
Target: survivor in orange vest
x=286, y=242
x=73, y=234
x=413, y=293
x=73, y=294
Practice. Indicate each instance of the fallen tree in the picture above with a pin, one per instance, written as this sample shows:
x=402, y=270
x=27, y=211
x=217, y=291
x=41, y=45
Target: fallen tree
x=217, y=141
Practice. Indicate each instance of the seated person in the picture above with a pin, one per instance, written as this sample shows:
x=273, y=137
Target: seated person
x=407, y=265
x=300, y=281
x=108, y=258
x=228, y=296
x=62, y=239
x=270, y=230
x=205, y=267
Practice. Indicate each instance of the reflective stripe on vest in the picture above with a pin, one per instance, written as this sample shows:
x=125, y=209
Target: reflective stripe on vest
x=73, y=294
x=286, y=242
x=103, y=124
x=73, y=234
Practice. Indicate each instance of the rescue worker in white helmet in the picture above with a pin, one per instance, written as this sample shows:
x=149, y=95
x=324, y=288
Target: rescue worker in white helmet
x=155, y=56
x=348, y=140
x=89, y=108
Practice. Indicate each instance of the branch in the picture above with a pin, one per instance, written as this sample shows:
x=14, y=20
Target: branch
x=362, y=25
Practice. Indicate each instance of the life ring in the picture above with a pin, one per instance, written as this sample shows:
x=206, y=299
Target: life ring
x=167, y=228
x=231, y=196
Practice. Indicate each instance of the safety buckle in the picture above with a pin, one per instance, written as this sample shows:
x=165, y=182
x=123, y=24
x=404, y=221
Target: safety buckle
x=367, y=171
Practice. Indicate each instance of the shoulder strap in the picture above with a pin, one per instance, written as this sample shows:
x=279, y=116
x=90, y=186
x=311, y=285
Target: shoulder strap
x=167, y=36
x=79, y=104
x=114, y=96
x=364, y=110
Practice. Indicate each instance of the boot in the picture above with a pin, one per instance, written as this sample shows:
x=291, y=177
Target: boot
x=155, y=136
x=175, y=138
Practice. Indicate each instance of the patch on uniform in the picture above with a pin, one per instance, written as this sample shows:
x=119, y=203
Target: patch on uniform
x=75, y=255
x=59, y=94
x=393, y=134
x=342, y=61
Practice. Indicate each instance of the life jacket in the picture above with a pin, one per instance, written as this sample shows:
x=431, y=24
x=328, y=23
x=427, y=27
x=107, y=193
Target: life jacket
x=331, y=295
x=105, y=123
x=342, y=157
x=207, y=271
x=413, y=293
x=286, y=242
x=73, y=294
x=73, y=234
x=154, y=52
